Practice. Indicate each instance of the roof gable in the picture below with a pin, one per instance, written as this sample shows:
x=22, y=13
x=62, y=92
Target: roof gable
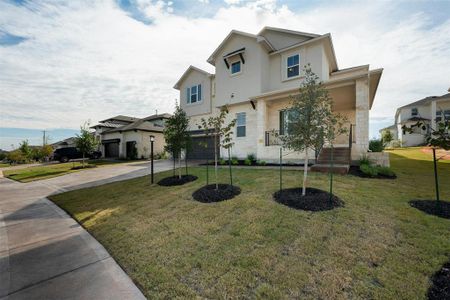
x=282, y=38
x=186, y=74
x=212, y=57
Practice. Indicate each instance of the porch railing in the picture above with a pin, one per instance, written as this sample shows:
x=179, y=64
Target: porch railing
x=351, y=136
x=272, y=138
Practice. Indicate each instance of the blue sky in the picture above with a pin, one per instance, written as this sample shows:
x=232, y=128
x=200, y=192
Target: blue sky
x=63, y=63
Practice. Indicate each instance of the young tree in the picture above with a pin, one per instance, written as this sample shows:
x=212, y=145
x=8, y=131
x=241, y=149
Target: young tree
x=85, y=141
x=223, y=134
x=309, y=110
x=176, y=134
x=437, y=138
x=26, y=150
x=386, y=137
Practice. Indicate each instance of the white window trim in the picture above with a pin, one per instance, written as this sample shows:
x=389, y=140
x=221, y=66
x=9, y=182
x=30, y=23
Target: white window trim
x=231, y=67
x=245, y=125
x=284, y=58
x=190, y=93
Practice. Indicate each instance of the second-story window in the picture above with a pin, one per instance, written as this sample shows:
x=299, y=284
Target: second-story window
x=414, y=112
x=194, y=94
x=293, y=66
x=236, y=67
x=240, y=124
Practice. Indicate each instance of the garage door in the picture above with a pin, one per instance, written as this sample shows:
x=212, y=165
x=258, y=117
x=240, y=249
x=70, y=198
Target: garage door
x=199, y=151
x=112, y=150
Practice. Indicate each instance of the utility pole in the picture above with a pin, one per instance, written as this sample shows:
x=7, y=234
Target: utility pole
x=43, y=138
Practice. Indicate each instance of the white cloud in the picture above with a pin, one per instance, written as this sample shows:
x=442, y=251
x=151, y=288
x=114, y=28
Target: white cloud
x=91, y=61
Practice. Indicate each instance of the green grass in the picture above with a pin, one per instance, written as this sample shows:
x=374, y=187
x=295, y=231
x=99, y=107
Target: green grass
x=49, y=171
x=2, y=165
x=376, y=247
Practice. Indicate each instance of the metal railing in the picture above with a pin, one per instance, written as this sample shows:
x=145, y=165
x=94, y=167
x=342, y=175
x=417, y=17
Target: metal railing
x=351, y=136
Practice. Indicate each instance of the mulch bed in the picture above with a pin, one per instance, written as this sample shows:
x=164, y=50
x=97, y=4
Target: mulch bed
x=440, y=288
x=85, y=167
x=431, y=207
x=314, y=200
x=355, y=171
x=175, y=180
x=209, y=194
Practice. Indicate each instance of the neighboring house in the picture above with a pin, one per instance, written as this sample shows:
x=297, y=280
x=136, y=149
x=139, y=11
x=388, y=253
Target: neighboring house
x=69, y=142
x=127, y=137
x=428, y=110
x=254, y=77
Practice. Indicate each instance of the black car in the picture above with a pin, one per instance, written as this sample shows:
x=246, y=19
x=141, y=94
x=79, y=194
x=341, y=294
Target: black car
x=66, y=154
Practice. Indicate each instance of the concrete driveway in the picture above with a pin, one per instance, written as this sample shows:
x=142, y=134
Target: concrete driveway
x=45, y=254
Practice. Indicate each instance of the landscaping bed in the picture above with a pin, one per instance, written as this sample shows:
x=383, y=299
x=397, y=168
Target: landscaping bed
x=440, y=288
x=84, y=167
x=175, y=180
x=356, y=171
x=209, y=194
x=314, y=200
x=431, y=207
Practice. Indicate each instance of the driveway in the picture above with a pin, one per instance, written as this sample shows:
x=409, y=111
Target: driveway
x=45, y=254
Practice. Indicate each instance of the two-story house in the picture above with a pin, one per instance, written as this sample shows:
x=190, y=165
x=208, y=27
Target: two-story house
x=428, y=110
x=255, y=76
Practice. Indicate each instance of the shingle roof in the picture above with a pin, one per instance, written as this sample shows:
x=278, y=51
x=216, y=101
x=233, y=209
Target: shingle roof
x=144, y=124
x=121, y=118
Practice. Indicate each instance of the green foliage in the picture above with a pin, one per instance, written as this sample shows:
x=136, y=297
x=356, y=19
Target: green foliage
x=251, y=157
x=439, y=137
x=369, y=170
x=85, y=141
x=386, y=136
x=222, y=161
x=247, y=162
x=385, y=171
x=376, y=145
x=2, y=156
x=234, y=161
x=364, y=160
x=161, y=155
x=26, y=150
x=16, y=157
x=261, y=163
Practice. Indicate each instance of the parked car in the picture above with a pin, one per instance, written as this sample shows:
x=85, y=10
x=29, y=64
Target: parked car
x=66, y=154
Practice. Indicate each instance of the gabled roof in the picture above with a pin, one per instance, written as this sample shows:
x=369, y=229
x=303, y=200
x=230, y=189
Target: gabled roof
x=157, y=116
x=186, y=73
x=233, y=32
x=424, y=101
x=120, y=118
x=306, y=34
x=144, y=124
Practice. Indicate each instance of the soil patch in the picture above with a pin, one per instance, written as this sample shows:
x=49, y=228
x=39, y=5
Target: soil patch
x=355, y=171
x=209, y=194
x=314, y=200
x=440, y=289
x=432, y=207
x=175, y=180
x=85, y=167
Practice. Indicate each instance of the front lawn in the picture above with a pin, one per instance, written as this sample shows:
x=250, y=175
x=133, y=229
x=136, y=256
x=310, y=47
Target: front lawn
x=2, y=165
x=51, y=170
x=375, y=247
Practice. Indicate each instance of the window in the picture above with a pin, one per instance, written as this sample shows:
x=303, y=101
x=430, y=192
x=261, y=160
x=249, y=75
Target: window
x=236, y=67
x=287, y=120
x=240, y=124
x=293, y=66
x=439, y=115
x=194, y=94
x=414, y=112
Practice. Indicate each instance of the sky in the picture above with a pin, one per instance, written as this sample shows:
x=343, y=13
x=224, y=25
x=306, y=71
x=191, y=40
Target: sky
x=64, y=63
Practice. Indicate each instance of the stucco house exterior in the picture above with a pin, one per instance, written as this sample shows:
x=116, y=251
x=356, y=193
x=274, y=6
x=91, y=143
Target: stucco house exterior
x=125, y=137
x=428, y=110
x=255, y=74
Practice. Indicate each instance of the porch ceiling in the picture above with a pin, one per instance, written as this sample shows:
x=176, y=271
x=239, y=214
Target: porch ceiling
x=344, y=97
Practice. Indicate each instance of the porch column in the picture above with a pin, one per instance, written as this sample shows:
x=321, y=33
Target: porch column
x=261, y=116
x=433, y=115
x=362, y=118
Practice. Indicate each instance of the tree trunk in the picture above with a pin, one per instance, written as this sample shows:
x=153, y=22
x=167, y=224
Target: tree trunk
x=179, y=165
x=82, y=162
x=215, y=161
x=305, y=173
x=174, y=162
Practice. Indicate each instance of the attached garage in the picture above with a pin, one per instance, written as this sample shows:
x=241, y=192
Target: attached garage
x=199, y=151
x=111, y=148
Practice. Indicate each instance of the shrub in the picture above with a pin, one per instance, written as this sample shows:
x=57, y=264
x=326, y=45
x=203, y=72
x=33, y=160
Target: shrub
x=251, y=157
x=234, y=161
x=385, y=171
x=16, y=156
x=395, y=144
x=376, y=146
x=369, y=170
x=248, y=162
x=261, y=162
x=222, y=161
x=364, y=160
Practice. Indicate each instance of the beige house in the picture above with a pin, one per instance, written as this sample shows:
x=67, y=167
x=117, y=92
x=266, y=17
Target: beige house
x=428, y=110
x=254, y=76
x=128, y=137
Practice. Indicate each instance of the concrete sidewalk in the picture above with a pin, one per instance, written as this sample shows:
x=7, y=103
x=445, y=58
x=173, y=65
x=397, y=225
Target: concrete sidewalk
x=45, y=254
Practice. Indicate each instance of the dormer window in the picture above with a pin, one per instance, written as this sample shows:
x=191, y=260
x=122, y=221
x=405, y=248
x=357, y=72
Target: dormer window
x=194, y=94
x=414, y=112
x=293, y=66
x=236, y=67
